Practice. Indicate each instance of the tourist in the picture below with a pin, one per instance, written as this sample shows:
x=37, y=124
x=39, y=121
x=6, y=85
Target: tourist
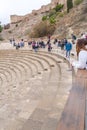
x=84, y=35
x=10, y=41
x=49, y=47
x=62, y=44
x=17, y=46
x=82, y=54
x=22, y=43
x=41, y=44
x=33, y=45
x=13, y=42
x=73, y=38
x=55, y=41
x=59, y=43
x=68, y=48
x=29, y=43
x=49, y=36
x=36, y=47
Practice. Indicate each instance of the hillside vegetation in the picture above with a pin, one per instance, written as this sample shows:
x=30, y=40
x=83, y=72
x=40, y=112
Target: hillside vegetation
x=57, y=22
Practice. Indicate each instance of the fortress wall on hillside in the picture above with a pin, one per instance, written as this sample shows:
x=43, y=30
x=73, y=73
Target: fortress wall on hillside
x=16, y=18
x=44, y=9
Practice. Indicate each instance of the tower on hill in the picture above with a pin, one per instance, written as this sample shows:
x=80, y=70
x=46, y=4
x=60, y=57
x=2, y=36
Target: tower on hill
x=59, y=1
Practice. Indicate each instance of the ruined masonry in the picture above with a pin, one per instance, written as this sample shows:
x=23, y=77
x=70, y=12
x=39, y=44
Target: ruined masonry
x=35, y=13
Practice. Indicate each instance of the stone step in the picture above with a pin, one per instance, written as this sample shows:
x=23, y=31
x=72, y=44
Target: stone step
x=36, y=103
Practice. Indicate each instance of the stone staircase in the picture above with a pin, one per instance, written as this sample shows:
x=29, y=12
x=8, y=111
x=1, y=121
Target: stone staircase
x=34, y=88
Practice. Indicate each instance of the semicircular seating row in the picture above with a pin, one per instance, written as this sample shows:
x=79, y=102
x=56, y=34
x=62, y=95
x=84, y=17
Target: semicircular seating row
x=33, y=89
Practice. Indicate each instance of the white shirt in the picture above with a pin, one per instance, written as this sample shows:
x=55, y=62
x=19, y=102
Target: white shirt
x=82, y=60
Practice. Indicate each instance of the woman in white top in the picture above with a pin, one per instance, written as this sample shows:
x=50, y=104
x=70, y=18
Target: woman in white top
x=81, y=48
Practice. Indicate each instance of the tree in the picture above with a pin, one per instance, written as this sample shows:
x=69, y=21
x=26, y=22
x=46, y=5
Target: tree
x=1, y=28
x=69, y=5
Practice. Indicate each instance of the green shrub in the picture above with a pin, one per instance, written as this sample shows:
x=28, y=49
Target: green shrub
x=44, y=18
x=52, y=20
x=77, y=2
x=53, y=13
x=1, y=28
x=59, y=7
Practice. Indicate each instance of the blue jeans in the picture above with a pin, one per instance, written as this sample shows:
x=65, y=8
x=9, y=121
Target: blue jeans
x=67, y=54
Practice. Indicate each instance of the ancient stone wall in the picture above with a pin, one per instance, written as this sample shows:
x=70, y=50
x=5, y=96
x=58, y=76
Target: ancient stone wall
x=42, y=10
x=16, y=18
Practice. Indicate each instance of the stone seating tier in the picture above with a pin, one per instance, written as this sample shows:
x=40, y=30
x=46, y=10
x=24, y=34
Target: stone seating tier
x=33, y=89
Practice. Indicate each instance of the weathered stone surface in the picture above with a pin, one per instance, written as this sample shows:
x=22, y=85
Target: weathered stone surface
x=50, y=124
x=32, y=125
x=26, y=102
x=39, y=115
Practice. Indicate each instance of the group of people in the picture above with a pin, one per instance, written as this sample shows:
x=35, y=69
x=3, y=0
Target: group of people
x=41, y=44
x=65, y=45
x=17, y=45
x=37, y=44
x=81, y=48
